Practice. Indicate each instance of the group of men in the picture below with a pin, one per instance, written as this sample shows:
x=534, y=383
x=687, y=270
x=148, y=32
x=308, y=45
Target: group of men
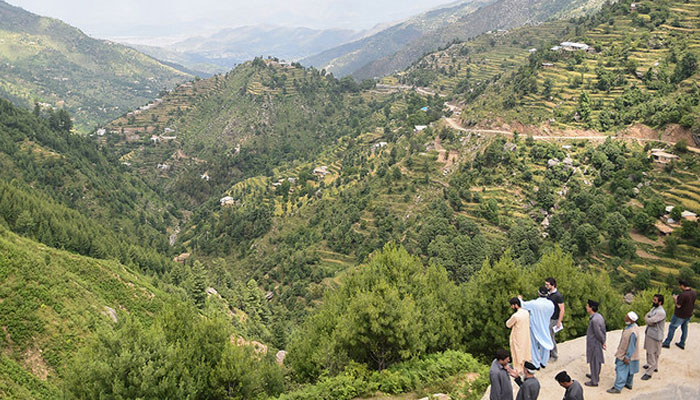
x=532, y=343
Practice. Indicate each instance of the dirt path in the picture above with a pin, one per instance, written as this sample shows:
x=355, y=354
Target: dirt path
x=455, y=125
x=677, y=378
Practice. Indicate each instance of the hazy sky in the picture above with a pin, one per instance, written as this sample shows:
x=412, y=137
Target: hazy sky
x=152, y=18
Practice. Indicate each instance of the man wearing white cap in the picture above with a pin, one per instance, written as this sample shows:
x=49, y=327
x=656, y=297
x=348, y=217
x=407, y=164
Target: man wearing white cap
x=627, y=355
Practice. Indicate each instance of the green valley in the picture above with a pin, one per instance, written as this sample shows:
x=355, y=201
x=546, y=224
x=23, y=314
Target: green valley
x=275, y=232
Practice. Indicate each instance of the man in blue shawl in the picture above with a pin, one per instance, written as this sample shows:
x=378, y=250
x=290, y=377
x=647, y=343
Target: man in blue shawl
x=541, y=310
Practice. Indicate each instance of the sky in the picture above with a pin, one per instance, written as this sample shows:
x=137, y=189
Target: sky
x=159, y=19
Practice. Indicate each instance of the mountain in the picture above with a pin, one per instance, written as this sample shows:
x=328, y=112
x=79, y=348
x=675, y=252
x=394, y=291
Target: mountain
x=347, y=58
x=397, y=47
x=44, y=60
x=225, y=49
x=497, y=16
x=520, y=79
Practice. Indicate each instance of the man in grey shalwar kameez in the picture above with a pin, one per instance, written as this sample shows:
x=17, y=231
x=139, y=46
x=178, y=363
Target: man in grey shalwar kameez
x=574, y=390
x=530, y=387
x=595, y=342
x=654, y=335
x=499, y=376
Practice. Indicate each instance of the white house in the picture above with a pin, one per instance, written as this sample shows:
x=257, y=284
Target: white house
x=321, y=171
x=227, y=201
x=419, y=128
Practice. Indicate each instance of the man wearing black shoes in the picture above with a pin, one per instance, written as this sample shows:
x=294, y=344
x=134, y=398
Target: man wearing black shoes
x=654, y=333
x=685, y=302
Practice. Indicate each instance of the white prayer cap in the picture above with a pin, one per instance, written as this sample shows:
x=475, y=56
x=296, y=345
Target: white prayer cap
x=633, y=316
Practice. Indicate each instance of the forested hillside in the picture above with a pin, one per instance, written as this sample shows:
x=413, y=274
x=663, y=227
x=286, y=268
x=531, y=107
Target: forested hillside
x=374, y=232
x=44, y=60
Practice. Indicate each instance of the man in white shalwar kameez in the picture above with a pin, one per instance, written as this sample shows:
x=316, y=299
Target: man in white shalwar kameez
x=541, y=310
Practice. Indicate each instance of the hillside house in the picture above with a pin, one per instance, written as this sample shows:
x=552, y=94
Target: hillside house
x=662, y=157
x=548, y=65
x=533, y=50
x=573, y=46
x=163, y=167
x=182, y=258
x=689, y=216
x=419, y=128
x=227, y=201
x=633, y=7
x=663, y=229
x=321, y=171
x=101, y=132
x=379, y=145
x=155, y=139
x=205, y=176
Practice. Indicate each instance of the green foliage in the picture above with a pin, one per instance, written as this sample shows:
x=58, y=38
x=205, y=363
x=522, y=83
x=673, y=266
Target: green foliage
x=181, y=356
x=54, y=300
x=388, y=311
x=357, y=381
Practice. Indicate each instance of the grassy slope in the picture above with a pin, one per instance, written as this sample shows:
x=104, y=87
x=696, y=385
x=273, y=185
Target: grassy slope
x=51, y=302
x=45, y=60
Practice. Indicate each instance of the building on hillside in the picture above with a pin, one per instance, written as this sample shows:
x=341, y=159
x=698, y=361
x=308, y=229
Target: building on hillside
x=321, y=171
x=633, y=7
x=553, y=162
x=182, y=258
x=689, y=216
x=227, y=201
x=155, y=139
x=573, y=46
x=548, y=65
x=419, y=128
x=662, y=157
x=205, y=176
x=663, y=228
x=379, y=145
x=101, y=132
x=533, y=50
x=164, y=167
x=511, y=147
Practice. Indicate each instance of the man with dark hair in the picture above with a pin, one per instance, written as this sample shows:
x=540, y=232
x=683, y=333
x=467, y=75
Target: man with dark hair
x=555, y=323
x=595, y=342
x=685, y=302
x=499, y=376
x=529, y=386
x=541, y=310
x=519, y=323
x=574, y=391
x=654, y=333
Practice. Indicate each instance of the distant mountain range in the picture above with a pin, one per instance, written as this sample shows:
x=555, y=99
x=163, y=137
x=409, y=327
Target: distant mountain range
x=398, y=46
x=47, y=61
x=225, y=49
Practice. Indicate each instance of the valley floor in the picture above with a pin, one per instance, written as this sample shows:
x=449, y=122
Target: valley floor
x=678, y=377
